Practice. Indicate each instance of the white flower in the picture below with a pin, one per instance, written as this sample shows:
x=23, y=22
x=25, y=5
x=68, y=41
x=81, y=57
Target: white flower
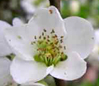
x=4, y=71
x=4, y=47
x=50, y=45
x=5, y=77
x=94, y=56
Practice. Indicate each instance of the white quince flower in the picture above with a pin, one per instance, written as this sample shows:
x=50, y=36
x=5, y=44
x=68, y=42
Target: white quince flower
x=94, y=56
x=4, y=47
x=44, y=47
x=5, y=77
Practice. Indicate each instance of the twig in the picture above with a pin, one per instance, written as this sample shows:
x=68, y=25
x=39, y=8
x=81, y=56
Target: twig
x=55, y=3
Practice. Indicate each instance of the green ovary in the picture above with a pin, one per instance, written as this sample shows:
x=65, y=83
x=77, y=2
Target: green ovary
x=49, y=50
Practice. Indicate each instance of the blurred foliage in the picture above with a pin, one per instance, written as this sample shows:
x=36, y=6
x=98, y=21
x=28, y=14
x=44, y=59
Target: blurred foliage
x=37, y=2
x=89, y=9
x=10, y=9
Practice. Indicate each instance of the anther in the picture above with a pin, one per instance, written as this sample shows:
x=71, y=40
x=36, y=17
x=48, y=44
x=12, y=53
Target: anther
x=39, y=37
x=65, y=47
x=44, y=30
x=48, y=40
x=61, y=41
x=48, y=36
x=53, y=36
x=56, y=42
x=62, y=36
x=42, y=34
x=35, y=37
x=52, y=31
x=44, y=37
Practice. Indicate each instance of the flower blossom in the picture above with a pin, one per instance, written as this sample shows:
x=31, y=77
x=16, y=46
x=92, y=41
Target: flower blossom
x=5, y=77
x=5, y=50
x=48, y=44
x=93, y=58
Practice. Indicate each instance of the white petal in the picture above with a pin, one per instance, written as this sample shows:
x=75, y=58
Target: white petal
x=26, y=71
x=97, y=36
x=20, y=39
x=4, y=48
x=17, y=22
x=80, y=36
x=4, y=71
x=49, y=19
x=73, y=68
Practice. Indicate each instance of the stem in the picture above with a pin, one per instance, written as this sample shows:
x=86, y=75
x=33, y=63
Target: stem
x=55, y=3
x=60, y=82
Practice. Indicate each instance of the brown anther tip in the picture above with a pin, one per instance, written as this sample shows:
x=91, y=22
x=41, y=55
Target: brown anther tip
x=48, y=40
x=61, y=41
x=39, y=37
x=56, y=42
x=48, y=36
x=34, y=37
x=50, y=11
x=52, y=31
x=62, y=36
x=42, y=34
x=44, y=30
x=65, y=47
x=44, y=37
x=53, y=36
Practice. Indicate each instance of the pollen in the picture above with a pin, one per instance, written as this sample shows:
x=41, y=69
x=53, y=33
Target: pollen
x=49, y=47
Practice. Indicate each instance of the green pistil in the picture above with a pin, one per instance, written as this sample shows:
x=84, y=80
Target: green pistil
x=49, y=49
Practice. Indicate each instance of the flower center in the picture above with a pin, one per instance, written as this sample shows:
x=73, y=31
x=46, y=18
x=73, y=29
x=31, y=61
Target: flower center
x=49, y=48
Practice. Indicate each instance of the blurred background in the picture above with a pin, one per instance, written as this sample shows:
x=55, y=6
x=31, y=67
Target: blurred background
x=88, y=9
